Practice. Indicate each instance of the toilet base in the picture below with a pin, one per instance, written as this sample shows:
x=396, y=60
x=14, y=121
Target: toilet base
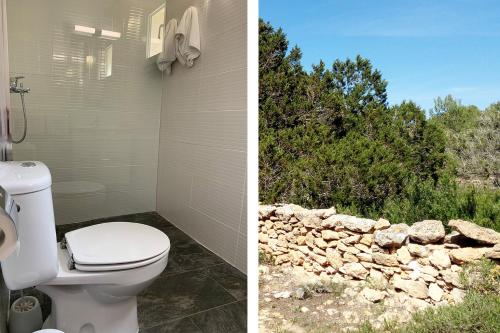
x=74, y=310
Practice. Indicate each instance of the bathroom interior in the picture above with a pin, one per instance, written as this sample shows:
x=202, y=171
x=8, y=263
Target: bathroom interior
x=163, y=150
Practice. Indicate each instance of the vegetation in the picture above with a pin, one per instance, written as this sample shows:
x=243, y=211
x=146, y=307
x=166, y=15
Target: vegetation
x=477, y=314
x=329, y=138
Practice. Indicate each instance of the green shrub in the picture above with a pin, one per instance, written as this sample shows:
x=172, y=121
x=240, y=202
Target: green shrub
x=444, y=200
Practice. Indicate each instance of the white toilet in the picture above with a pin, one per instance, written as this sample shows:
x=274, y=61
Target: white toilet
x=94, y=275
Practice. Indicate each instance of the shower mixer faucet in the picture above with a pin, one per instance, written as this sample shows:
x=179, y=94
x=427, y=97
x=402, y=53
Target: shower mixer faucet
x=16, y=86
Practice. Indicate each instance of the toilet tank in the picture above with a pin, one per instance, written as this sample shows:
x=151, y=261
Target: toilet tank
x=35, y=259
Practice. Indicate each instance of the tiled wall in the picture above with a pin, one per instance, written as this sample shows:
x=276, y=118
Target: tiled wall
x=202, y=160
x=98, y=135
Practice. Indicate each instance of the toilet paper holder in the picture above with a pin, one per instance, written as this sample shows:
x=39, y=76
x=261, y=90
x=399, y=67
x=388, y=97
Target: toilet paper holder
x=8, y=213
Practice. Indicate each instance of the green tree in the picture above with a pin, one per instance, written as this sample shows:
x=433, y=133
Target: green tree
x=328, y=137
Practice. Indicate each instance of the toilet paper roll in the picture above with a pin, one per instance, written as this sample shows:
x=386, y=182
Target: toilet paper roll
x=8, y=234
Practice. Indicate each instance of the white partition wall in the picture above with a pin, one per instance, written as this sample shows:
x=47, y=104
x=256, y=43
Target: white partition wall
x=202, y=159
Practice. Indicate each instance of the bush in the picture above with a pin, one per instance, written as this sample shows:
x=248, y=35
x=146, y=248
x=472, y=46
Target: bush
x=444, y=200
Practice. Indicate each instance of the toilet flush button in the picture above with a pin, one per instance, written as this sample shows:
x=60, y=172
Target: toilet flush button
x=28, y=164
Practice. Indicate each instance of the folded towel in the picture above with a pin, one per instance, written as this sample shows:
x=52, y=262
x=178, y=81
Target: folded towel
x=167, y=55
x=188, y=37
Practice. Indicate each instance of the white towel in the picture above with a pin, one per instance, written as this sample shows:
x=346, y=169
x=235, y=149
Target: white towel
x=188, y=37
x=168, y=54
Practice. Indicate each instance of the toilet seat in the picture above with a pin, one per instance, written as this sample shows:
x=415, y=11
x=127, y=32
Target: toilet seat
x=117, y=267
x=115, y=246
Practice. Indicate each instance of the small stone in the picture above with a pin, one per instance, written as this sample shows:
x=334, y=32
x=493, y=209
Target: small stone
x=304, y=309
x=378, y=279
x=427, y=231
x=495, y=255
x=349, y=257
x=329, y=235
x=265, y=211
x=367, y=239
x=301, y=240
x=300, y=293
x=373, y=295
x=429, y=270
x=385, y=259
x=263, y=238
x=451, y=277
x=416, y=289
x=382, y=224
x=440, y=259
x=319, y=242
x=311, y=221
x=366, y=257
x=282, y=294
x=356, y=270
x=418, y=250
x=334, y=258
x=403, y=255
x=435, y=292
x=457, y=295
x=363, y=248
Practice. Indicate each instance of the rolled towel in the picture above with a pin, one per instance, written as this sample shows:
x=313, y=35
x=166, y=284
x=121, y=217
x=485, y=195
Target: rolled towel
x=168, y=53
x=188, y=37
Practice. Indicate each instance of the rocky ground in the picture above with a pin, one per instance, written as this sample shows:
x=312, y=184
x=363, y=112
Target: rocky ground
x=328, y=272
x=292, y=300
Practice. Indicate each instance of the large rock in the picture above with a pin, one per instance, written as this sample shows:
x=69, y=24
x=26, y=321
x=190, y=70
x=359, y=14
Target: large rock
x=352, y=223
x=394, y=236
x=427, y=231
x=416, y=289
x=467, y=254
x=324, y=213
x=354, y=269
x=265, y=211
x=473, y=231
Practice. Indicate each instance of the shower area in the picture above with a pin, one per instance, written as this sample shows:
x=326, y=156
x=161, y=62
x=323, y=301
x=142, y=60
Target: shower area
x=124, y=141
x=94, y=103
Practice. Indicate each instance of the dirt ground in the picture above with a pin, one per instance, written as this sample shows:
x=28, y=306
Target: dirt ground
x=328, y=306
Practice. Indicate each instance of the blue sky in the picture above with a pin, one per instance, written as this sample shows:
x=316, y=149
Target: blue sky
x=423, y=48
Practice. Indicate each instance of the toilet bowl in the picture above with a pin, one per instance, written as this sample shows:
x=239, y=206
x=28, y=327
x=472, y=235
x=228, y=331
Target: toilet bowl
x=93, y=276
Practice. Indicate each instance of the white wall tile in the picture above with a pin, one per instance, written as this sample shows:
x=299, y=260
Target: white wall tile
x=99, y=136
x=202, y=164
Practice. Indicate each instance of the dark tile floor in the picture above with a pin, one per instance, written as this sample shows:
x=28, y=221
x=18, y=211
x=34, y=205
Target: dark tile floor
x=197, y=293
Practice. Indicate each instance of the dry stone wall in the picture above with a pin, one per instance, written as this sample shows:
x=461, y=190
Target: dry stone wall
x=421, y=260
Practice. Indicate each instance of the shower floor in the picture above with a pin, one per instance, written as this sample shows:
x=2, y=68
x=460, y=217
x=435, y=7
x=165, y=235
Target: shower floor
x=197, y=293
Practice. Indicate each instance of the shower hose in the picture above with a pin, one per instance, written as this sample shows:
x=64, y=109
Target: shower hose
x=25, y=122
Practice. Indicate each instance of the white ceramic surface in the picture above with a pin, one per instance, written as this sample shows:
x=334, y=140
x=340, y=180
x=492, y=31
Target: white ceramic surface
x=116, y=243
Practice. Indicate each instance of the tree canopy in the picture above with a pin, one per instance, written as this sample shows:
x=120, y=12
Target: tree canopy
x=328, y=137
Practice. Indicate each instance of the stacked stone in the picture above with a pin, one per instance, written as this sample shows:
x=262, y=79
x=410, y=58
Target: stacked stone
x=420, y=260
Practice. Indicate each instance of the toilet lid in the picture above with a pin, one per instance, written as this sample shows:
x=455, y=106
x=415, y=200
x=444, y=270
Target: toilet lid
x=116, y=243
